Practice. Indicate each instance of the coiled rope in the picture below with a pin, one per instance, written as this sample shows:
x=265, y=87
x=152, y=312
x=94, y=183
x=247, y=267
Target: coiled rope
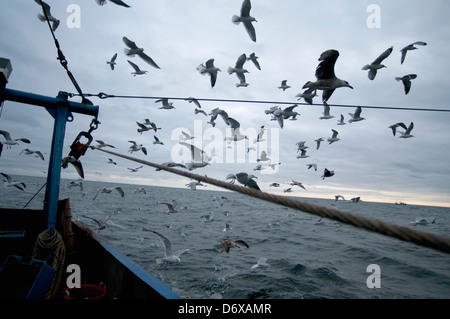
x=50, y=247
x=403, y=233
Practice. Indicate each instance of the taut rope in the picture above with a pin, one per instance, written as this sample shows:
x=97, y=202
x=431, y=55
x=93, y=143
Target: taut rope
x=403, y=233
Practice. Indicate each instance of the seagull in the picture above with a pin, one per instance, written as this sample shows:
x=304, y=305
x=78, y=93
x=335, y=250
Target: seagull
x=103, y=144
x=187, y=136
x=262, y=262
x=407, y=81
x=101, y=225
x=245, y=179
x=142, y=128
x=318, y=141
x=422, y=221
x=259, y=138
x=326, y=112
x=75, y=162
x=294, y=183
x=341, y=121
x=287, y=190
x=9, y=141
x=307, y=95
x=140, y=190
x=327, y=173
x=312, y=165
x=118, y=2
x=326, y=78
x=170, y=164
x=217, y=111
x=409, y=48
x=376, y=64
x=407, y=133
x=252, y=57
x=336, y=197
x=137, y=147
x=193, y=185
x=165, y=104
x=172, y=207
x=246, y=19
x=30, y=152
x=301, y=146
x=274, y=185
x=112, y=62
x=198, y=157
x=134, y=170
x=105, y=190
x=75, y=184
x=194, y=100
x=355, y=200
x=9, y=182
x=134, y=49
x=289, y=112
x=209, y=68
x=46, y=10
x=152, y=125
x=207, y=218
x=356, y=117
x=239, y=68
x=303, y=154
x=169, y=255
x=157, y=141
x=394, y=127
x=334, y=137
x=263, y=157
x=196, y=111
x=219, y=199
x=230, y=243
x=110, y=161
x=137, y=70
x=284, y=85
x=236, y=134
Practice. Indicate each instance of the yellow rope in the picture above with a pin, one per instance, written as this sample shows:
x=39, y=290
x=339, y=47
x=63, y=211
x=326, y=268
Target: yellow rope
x=403, y=233
x=50, y=247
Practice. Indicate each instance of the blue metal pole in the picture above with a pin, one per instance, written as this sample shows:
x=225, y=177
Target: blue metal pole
x=51, y=199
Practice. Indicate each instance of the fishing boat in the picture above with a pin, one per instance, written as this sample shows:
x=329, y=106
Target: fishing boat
x=44, y=254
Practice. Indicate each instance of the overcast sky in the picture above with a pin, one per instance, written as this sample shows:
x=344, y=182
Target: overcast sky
x=179, y=35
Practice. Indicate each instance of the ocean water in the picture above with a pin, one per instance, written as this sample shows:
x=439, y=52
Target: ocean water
x=307, y=258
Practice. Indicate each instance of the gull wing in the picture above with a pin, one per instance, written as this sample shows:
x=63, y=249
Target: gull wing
x=120, y=3
x=325, y=69
x=383, y=56
x=250, y=30
x=197, y=154
x=240, y=61
x=149, y=60
x=135, y=67
x=166, y=242
x=129, y=43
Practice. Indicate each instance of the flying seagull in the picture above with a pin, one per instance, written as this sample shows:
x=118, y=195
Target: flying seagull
x=407, y=133
x=165, y=104
x=137, y=70
x=262, y=262
x=376, y=64
x=46, y=10
x=30, y=152
x=171, y=206
x=134, y=170
x=245, y=179
x=246, y=19
x=326, y=112
x=101, y=225
x=409, y=48
x=307, y=95
x=209, y=68
x=105, y=190
x=103, y=144
x=356, y=117
x=393, y=127
x=137, y=147
x=326, y=78
x=334, y=137
x=284, y=85
x=230, y=243
x=75, y=162
x=239, y=69
x=169, y=255
x=327, y=173
x=198, y=156
x=407, y=81
x=112, y=62
x=118, y=2
x=252, y=57
x=10, y=183
x=134, y=49
x=9, y=141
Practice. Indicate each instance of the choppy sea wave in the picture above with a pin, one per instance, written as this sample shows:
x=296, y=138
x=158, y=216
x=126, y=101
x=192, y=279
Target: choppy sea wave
x=308, y=258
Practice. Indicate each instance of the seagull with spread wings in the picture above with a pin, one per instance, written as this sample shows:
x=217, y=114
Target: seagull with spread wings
x=376, y=64
x=133, y=49
x=246, y=19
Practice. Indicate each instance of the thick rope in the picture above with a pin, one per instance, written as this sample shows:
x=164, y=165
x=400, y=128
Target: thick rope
x=50, y=247
x=403, y=233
